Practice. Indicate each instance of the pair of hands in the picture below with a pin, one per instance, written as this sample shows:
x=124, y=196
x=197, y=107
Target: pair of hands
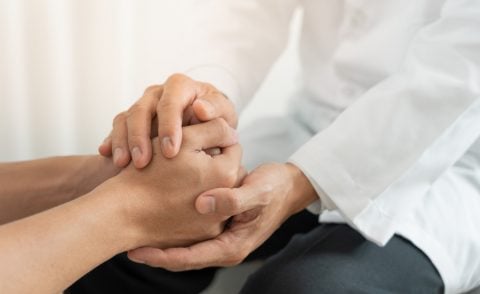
x=256, y=204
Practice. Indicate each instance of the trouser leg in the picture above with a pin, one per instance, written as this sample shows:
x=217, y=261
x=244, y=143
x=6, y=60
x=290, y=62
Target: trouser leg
x=335, y=258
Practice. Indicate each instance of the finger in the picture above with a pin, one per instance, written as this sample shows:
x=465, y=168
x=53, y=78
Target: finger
x=214, y=133
x=229, y=249
x=246, y=216
x=215, y=105
x=215, y=151
x=139, y=122
x=242, y=174
x=227, y=165
x=105, y=149
x=121, y=155
x=188, y=117
x=232, y=154
x=232, y=201
x=179, y=93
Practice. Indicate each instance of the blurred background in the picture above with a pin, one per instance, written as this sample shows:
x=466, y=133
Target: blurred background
x=67, y=67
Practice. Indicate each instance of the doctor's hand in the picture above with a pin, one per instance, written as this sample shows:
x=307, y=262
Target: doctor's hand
x=161, y=112
x=159, y=200
x=267, y=197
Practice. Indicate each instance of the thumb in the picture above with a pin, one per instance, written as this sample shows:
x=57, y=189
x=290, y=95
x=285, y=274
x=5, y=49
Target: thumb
x=231, y=201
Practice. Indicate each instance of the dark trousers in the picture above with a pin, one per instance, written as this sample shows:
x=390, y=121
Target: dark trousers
x=301, y=257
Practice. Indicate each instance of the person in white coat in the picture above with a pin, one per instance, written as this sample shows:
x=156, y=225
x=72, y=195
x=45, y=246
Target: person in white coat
x=382, y=142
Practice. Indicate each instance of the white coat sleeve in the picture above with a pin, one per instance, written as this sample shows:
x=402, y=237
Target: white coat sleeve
x=238, y=42
x=402, y=134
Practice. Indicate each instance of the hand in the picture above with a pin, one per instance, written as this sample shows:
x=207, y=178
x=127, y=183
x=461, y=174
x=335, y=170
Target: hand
x=267, y=197
x=159, y=199
x=162, y=111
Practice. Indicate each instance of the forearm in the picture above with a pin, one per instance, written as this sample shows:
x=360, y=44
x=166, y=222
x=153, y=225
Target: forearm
x=47, y=252
x=33, y=186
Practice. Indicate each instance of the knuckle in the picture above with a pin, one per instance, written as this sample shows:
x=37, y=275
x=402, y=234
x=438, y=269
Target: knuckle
x=230, y=178
x=152, y=89
x=231, y=114
x=119, y=118
x=136, y=108
x=263, y=199
x=222, y=126
x=177, y=78
x=207, y=85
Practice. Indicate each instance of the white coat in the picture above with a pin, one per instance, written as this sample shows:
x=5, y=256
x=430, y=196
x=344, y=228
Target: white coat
x=391, y=90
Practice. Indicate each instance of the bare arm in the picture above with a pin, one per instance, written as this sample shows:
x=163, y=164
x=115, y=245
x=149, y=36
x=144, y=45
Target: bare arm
x=48, y=251
x=32, y=186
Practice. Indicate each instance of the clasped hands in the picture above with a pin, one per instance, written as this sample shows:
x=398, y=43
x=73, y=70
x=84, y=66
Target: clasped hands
x=183, y=186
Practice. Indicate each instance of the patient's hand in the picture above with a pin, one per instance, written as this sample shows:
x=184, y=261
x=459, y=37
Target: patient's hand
x=159, y=200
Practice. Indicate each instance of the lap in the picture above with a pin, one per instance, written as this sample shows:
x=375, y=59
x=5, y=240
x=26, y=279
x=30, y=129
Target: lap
x=334, y=258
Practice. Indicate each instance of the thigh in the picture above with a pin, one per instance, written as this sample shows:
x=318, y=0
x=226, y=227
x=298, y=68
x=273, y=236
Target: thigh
x=334, y=258
x=300, y=223
x=120, y=275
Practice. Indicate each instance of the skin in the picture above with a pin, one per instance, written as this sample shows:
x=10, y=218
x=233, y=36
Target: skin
x=32, y=186
x=161, y=111
x=265, y=199
x=48, y=251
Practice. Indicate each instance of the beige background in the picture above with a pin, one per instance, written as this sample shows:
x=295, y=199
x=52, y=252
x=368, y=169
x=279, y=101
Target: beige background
x=68, y=66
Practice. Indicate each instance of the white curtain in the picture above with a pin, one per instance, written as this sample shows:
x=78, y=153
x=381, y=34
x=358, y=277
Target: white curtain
x=68, y=66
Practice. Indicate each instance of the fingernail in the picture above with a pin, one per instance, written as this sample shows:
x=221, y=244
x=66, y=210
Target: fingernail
x=167, y=144
x=207, y=106
x=207, y=205
x=134, y=259
x=117, y=154
x=214, y=151
x=136, y=154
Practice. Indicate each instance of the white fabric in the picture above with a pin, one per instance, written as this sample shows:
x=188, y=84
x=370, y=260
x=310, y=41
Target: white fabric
x=392, y=89
x=67, y=67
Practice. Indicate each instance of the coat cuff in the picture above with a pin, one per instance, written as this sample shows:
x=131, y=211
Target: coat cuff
x=337, y=191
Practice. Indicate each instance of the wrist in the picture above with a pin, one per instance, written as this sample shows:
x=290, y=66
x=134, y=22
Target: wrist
x=302, y=193
x=91, y=172
x=141, y=222
x=120, y=211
